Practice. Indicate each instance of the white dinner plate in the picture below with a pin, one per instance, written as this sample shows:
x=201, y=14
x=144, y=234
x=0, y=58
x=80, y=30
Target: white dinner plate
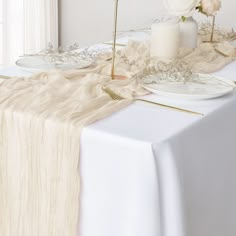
x=37, y=64
x=209, y=87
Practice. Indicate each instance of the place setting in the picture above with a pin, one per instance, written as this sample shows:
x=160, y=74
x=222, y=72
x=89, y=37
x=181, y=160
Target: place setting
x=170, y=68
x=173, y=42
x=57, y=59
x=171, y=64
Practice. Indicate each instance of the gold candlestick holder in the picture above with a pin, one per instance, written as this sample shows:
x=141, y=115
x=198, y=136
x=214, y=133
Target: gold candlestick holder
x=211, y=39
x=213, y=29
x=113, y=75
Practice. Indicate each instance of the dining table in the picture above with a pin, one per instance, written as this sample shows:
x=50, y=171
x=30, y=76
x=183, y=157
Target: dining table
x=148, y=170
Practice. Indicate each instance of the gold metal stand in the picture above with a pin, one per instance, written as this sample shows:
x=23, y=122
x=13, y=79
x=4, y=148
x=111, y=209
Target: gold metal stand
x=211, y=39
x=113, y=76
x=114, y=39
x=213, y=29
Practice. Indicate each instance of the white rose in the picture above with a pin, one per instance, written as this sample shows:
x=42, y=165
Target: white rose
x=180, y=7
x=210, y=7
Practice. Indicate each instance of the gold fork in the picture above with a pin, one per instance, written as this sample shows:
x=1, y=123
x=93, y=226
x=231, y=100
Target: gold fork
x=117, y=97
x=117, y=44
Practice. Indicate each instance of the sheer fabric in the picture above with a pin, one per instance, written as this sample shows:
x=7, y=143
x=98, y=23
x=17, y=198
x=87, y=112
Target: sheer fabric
x=29, y=26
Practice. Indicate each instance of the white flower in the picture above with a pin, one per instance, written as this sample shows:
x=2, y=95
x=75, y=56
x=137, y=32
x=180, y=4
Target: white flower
x=181, y=7
x=210, y=7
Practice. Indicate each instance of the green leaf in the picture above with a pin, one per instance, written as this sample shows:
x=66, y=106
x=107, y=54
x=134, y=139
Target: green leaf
x=183, y=18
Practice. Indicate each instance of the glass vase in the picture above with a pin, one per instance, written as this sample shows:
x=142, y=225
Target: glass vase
x=188, y=33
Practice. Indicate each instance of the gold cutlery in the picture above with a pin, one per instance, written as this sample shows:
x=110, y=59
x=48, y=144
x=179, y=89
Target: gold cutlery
x=117, y=44
x=117, y=97
x=221, y=53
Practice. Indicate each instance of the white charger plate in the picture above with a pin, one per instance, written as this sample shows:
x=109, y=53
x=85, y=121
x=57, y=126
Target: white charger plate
x=37, y=64
x=212, y=87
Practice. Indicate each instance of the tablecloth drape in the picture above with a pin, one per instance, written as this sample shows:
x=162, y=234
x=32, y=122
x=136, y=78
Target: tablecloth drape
x=159, y=172
x=140, y=178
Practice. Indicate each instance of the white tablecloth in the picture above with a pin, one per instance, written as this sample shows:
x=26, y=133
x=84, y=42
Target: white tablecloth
x=152, y=171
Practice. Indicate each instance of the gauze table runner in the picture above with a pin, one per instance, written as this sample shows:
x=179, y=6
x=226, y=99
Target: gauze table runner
x=41, y=118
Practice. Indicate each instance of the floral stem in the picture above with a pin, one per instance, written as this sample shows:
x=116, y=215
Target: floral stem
x=213, y=29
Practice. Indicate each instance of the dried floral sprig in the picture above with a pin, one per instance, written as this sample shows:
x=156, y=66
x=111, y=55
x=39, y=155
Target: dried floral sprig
x=67, y=55
x=221, y=33
x=157, y=72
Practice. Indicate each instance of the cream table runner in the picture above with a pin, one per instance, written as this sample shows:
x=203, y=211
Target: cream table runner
x=41, y=118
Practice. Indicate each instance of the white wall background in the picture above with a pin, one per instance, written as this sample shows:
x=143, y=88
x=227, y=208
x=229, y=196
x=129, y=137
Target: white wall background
x=91, y=21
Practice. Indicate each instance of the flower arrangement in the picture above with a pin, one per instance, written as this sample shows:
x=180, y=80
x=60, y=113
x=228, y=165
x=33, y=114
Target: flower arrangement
x=185, y=8
x=209, y=7
x=181, y=7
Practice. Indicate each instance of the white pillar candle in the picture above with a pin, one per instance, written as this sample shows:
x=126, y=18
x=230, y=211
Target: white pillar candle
x=165, y=40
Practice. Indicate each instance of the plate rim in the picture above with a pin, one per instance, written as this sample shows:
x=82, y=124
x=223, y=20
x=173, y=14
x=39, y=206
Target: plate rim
x=31, y=69
x=194, y=96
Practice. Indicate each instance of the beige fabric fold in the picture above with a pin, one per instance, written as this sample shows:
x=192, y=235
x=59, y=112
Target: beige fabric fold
x=206, y=58
x=41, y=119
